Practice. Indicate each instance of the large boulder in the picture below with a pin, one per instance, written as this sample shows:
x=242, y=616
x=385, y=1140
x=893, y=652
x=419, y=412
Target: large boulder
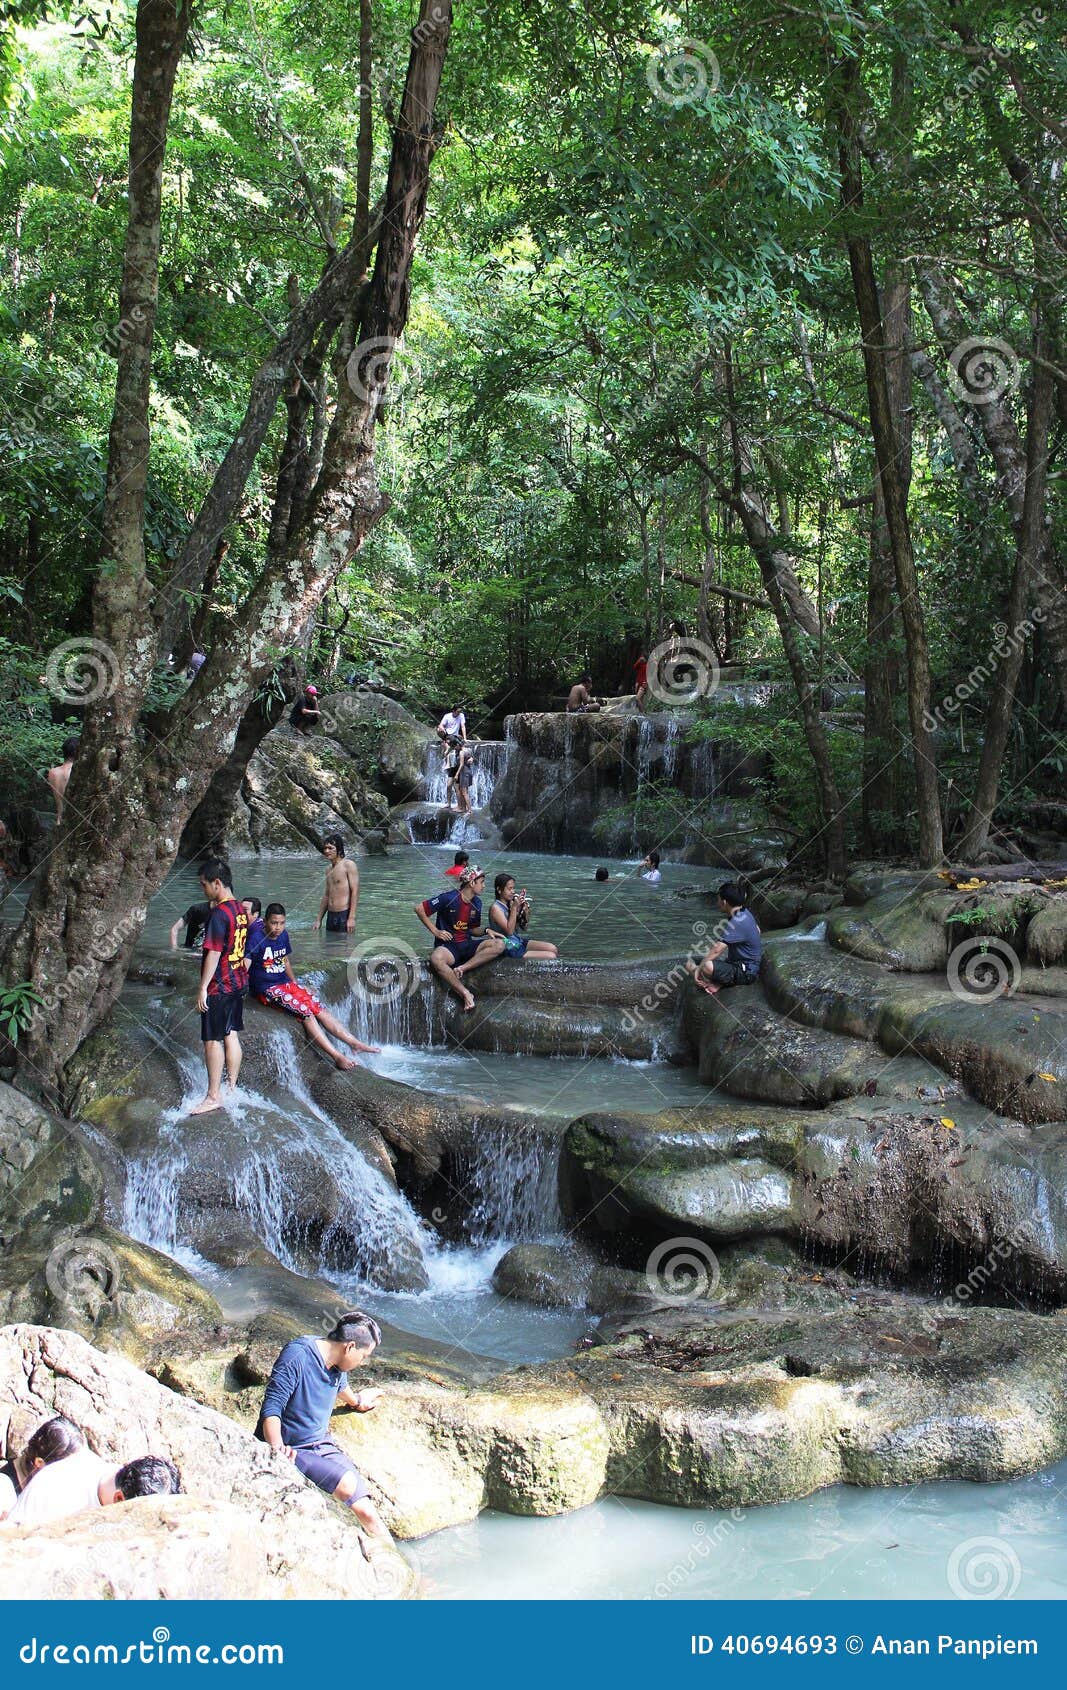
x=297, y=789
x=286, y=1533
x=62, y=1260
x=705, y=1406
x=181, y=1548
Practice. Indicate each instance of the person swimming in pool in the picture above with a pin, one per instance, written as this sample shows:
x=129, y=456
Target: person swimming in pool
x=508, y=915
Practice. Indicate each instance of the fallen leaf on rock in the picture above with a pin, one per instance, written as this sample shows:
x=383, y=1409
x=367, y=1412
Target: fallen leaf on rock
x=1049, y=1078
x=947, y=1122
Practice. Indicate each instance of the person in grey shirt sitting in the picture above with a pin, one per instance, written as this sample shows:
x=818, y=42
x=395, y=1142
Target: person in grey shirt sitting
x=735, y=956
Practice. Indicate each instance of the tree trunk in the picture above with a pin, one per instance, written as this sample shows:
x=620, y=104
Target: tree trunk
x=1029, y=543
x=88, y=906
x=894, y=494
x=881, y=675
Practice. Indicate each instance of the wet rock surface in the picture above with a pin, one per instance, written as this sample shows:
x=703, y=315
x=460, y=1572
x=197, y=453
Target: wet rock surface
x=247, y=1511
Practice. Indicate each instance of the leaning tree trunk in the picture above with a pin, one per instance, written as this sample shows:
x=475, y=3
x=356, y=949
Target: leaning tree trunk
x=88, y=906
x=894, y=494
x=1029, y=544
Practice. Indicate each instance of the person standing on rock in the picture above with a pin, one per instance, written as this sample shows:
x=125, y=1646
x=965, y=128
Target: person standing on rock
x=641, y=679
x=272, y=981
x=308, y=1381
x=735, y=956
x=223, y=982
x=453, y=918
x=463, y=779
x=340, y=900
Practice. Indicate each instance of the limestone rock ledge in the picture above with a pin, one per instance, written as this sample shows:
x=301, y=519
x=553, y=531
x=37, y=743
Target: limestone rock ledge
x=248, y=1516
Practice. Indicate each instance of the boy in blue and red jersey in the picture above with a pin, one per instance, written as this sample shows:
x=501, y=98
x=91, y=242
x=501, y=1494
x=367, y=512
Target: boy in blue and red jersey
x=223, y=982
x=453, y=919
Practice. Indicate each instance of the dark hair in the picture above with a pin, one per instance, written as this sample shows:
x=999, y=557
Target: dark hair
x=53, y=1441
x=70, y=746
x=500, y=882
x=334, y=839
x=587, y=680
x=355, y=1327
x=460, y=858
x=653, y=857
x=216, y=868
x=602, y=874
x=730, y=892
x=275, y=909
x=148, y=1475
x=257, y=907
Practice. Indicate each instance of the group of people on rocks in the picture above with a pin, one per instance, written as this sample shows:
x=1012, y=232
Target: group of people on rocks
x=453, y=918
x=56, y=1474
x=246, y=948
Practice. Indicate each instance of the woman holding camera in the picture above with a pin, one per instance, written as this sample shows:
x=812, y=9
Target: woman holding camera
x=509, y=914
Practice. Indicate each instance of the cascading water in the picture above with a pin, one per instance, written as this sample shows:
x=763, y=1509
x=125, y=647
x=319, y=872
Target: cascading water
x=512, y=1178
x=489, y=762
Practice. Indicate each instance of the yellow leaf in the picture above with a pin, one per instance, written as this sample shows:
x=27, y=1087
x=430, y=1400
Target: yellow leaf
x=1051, y=1078
x=945, y=1122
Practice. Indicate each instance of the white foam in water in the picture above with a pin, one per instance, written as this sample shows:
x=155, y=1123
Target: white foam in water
x=815, y=936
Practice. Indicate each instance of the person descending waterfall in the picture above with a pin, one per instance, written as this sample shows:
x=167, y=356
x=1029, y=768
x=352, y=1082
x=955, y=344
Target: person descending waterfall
x=453, y=918
x=509, y=914
x=272, y=981
x=641, y=679
x=736, y=955
x=463, y=778
x=454, y=755
x=308, y=1381
x=223, y=982
x=341, y=897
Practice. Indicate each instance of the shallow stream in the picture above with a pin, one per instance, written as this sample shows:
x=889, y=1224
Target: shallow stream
x=846, y=1542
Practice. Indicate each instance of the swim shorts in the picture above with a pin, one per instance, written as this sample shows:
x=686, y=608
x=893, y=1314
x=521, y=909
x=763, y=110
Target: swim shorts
x=325, y=1464
x=337, y=921
x=460, y=950
x=297, y=1000
x=225, y=1015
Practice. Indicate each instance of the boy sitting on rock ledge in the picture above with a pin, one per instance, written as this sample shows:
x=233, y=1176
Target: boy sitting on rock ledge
x=735, y=957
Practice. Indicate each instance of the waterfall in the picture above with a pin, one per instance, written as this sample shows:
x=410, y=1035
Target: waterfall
x=490, y=761
x=513, y=1177
x=273, y=1142
x=397, y=1003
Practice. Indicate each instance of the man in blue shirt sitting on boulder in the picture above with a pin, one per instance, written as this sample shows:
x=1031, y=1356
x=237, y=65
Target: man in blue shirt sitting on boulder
x=308, y=1381
x=736, y=955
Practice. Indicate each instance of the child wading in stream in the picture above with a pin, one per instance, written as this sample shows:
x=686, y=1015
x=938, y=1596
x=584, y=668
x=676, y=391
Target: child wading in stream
x=271, y=978
x=735, y=957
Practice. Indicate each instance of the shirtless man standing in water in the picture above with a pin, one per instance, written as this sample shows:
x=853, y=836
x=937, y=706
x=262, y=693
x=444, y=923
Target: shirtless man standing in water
x=341, y=897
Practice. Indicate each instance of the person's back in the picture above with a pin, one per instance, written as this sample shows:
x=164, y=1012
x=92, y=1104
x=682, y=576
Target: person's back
x=743, y=940
x=63, y=1487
